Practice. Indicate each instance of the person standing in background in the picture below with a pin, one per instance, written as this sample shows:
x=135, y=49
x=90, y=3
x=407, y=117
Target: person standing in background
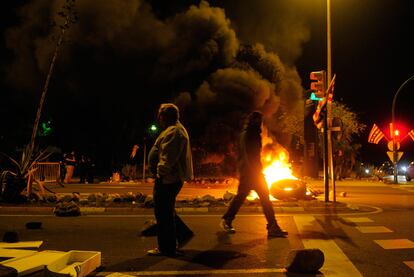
x=130, y=170
x=70, y=162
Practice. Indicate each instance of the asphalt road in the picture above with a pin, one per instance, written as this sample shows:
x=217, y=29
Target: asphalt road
x=375, y=243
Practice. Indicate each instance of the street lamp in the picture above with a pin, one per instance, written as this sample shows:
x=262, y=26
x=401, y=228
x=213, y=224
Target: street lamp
x=328, y=40
x=394, y=147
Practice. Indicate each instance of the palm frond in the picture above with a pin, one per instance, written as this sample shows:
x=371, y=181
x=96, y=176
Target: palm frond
x=27, y=159
x=16, y=163
x=27, y=154
x=4, y=173
x=44, y=154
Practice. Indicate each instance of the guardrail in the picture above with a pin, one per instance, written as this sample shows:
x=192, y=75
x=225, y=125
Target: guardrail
x=48, y=172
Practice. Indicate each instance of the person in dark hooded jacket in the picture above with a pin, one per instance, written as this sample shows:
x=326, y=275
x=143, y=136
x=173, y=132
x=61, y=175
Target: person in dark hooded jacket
x=251, y=177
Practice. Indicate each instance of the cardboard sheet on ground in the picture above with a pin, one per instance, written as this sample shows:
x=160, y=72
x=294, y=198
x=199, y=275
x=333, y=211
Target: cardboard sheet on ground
x=21, y=244
x=15, y=253
x=35, y=262
x=55, y=263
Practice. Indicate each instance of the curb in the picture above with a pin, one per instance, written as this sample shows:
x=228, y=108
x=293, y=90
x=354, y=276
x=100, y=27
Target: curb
x=137, y=210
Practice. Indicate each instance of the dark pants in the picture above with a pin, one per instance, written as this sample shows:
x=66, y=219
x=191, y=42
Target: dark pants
x=246, y=185
x=82, y=173
x=169, y=225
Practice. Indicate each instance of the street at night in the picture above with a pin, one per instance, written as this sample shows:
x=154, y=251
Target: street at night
x=369, y=236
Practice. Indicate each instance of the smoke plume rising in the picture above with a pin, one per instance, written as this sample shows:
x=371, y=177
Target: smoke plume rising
x=124, y=57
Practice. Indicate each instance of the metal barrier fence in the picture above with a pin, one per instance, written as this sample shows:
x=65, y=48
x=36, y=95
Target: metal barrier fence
x=48, y=172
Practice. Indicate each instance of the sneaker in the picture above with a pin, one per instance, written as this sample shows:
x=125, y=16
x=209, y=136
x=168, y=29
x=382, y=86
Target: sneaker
x=275, y=231
x=157, y=252
x=226, y=225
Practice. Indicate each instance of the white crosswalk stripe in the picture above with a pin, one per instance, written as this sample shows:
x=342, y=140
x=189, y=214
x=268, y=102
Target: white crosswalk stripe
x=336, y=262
x=386, y=244
x=409, y=187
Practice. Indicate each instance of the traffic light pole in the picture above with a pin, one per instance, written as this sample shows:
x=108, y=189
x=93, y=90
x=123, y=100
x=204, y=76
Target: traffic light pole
x=325, y=158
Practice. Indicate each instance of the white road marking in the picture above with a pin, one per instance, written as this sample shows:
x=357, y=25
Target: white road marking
x=336, y=262
x=196, y=272
x=410, y=264
x=395, y=243
x=358, y=219
x=374, y=229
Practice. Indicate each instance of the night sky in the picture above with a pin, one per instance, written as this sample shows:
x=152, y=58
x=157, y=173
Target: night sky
x=123, y=58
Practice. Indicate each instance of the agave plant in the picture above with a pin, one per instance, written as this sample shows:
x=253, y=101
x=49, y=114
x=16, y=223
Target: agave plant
x=13, y=182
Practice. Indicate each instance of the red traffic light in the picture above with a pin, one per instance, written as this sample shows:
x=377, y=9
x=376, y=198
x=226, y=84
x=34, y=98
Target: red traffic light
x=399, y=131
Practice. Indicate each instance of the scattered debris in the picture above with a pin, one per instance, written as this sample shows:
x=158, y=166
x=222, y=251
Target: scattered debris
x=67, y=209
x=149, y=202
x=34, y=225
x=10, y=236
x=228, y=196
x=208, y=198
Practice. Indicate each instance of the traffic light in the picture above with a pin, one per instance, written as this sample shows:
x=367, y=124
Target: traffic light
x=394, y=132
x=319, y=86
x=45, y=129
x=396, y=135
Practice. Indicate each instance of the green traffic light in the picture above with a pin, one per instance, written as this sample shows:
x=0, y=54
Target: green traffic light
x=45, y=130
x=153, y=128
x=313, y=97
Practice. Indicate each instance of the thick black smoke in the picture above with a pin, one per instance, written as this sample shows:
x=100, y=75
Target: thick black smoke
x=123, y=57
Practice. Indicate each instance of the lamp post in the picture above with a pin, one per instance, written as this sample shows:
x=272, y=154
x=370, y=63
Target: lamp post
x=394, y=147
x=328, y=41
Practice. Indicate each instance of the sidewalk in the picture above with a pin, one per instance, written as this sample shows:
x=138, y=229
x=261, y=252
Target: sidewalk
x=189, y=201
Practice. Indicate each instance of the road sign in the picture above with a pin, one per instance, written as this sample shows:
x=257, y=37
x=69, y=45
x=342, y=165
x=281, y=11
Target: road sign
x=390, y=145
x=391, y=155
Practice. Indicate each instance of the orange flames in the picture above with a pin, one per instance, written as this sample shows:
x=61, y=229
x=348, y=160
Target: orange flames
x=276, y=167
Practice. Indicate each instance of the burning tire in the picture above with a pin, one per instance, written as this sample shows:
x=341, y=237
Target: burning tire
x=288, y=189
